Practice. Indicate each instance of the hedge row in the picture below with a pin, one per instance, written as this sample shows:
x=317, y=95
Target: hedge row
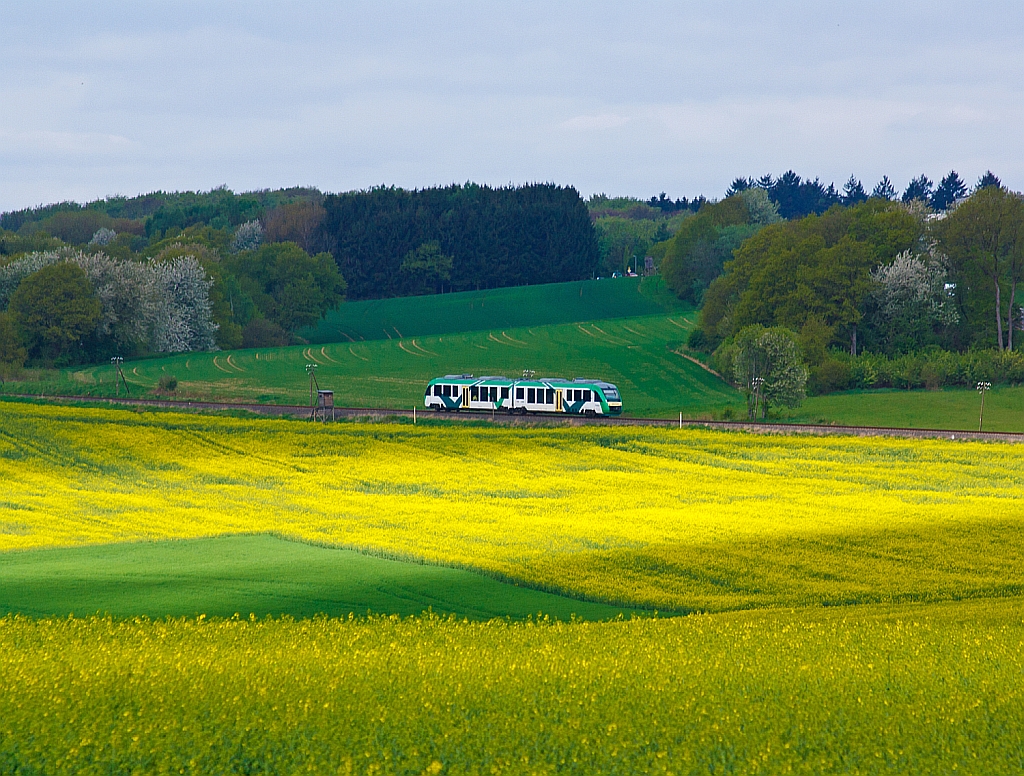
x=926, y=369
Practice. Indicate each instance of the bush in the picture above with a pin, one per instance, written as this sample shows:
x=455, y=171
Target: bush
x=829, y=376
x=169, y=383
x=932, y=369
x=261, y=333
x=699, y=341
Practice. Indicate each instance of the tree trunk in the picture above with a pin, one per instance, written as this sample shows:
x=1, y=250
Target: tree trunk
x=1009, y=316
x=999, y=316
x=853, y=340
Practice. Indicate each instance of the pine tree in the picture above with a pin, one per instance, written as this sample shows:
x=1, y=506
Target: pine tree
x=853, y=192
x=919, y=188
x=949, y=191
x=884, y=189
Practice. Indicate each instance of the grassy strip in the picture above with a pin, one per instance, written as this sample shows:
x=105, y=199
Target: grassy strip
x=951, y=408
x=260, y=575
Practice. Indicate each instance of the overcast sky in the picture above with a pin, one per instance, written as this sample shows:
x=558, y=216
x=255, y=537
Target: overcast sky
x=100, y=98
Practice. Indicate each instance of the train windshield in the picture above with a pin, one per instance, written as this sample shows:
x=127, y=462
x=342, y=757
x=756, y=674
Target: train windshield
x=611, y=394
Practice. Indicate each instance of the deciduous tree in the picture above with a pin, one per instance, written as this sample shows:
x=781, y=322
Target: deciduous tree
x=766, y=364
x=55, y=308
x=984, y=238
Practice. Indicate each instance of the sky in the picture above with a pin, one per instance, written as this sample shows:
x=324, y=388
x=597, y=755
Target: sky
x=105, y=98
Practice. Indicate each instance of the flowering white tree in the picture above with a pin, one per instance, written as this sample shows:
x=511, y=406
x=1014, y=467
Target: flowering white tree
x=12, y=274
x=163, y=306
x=127, y=294
x=184, y=320
x=103, y=236
x=915, y=286
x=248, y=237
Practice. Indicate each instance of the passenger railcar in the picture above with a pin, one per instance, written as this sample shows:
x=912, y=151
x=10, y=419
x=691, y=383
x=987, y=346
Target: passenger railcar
x=579, y=396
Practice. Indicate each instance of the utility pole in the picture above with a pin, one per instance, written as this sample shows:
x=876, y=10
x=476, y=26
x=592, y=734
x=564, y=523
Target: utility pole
x=758, y=383
x=311, y=371
x=117, y=361
x=983, y=387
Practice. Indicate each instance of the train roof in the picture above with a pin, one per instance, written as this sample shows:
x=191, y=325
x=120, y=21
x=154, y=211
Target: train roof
x=533, y=381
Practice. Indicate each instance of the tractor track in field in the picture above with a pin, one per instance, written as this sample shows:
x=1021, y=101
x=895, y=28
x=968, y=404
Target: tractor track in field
x=341, y=413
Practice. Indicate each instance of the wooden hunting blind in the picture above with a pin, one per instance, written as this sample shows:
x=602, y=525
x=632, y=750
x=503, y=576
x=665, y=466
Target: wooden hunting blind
x=324, y=402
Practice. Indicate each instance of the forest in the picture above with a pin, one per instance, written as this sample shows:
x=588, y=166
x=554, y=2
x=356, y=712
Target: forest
x=878, y=293
x=393, y=242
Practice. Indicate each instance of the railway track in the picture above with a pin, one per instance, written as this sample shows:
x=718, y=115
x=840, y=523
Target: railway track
x=294, y=410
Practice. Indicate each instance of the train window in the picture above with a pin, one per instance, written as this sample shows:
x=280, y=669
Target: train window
x=551, y=396
x=586, y=394
x=519, y=394
x=437, y=390
x=531, y=396
x=504, y=393
x=446, y=391
x=474, y=393
x=494, y=393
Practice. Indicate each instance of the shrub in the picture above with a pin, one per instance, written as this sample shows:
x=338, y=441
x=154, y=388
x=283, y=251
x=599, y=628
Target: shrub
x=698, y=340
x=169, y=383
x=261, y=333
x=829, y=376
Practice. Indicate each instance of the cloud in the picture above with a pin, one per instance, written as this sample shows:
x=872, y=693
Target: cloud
x=664, y=96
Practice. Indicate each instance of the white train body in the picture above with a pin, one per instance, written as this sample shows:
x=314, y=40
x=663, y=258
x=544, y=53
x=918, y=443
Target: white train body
x=455, y=393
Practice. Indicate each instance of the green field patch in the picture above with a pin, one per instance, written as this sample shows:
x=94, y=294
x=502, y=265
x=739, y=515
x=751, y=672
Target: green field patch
x=634, y=353
x=955, y=409
x=495, y=308
x=261, y=575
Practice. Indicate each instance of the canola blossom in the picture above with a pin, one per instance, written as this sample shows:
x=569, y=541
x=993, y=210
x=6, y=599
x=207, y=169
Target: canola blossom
x=880, y=689
x=674, y=520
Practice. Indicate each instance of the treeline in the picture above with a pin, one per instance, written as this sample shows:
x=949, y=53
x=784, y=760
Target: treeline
x=797, y=197
x=199, y=289
x=874, y=291
x=393, y=242
x=151, y=216
x=931, y=368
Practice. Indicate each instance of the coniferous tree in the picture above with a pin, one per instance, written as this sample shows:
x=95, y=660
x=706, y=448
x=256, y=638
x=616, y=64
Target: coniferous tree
x=884, y=189
x=950, y=189
x=919, y=188
x=738, y=185
x=988, y=179
x=495, y=237
x=853, y=192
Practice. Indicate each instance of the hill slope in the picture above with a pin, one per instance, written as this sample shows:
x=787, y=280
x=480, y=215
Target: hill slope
x=260, y=575
x=417, y=316
x=633, y=353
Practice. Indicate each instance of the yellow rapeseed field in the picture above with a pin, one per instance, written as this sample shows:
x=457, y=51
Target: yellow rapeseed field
x=659, y=517
x=925, y=690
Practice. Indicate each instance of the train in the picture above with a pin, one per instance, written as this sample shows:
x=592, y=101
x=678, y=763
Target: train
x=579, y=396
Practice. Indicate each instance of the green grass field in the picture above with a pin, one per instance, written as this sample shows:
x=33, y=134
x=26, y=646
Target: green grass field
x=499, y=308
x=634, y=353
x=951, y=408
x=260, y=575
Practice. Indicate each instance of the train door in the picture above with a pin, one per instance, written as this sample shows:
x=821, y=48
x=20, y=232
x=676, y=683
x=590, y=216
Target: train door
x=558, y=400
x=465, y=397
